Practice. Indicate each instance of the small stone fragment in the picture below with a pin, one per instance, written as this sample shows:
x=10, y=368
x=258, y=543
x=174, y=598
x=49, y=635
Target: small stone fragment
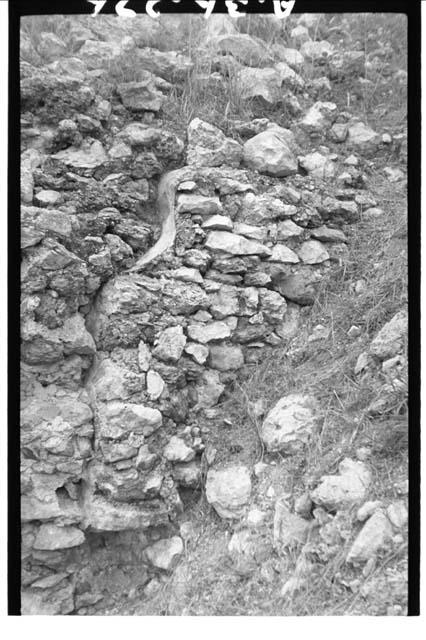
x=170, y=344
x=397, y=514
x=226, y=357
x=154, y=384
x=345, y=490
x=165, y=554
x=367, y=509
x=178, y=451
x=372, y=537
x=289, y=424
x=228, y=490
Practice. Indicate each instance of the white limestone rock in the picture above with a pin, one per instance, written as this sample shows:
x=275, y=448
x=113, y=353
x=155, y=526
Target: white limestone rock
x=290, y=423
x=251, y=232
x=188, y=274
x=228, y=490
x=198, y=352
x=263, y=209
x=209, y=147
x=367, y=509
x=316, y=50
x=235, y=245
x=144, y=356
x=271, y=152
x=50, y=537
x=313, y=252
x=154, y=385
x=345, y=490
x=177, y=451
x=319, y=117
x=89, y=156
x=205, y=333
x=318, y=165
x=288, y=229
x=292, y=57
x=195, y=204
x=226, y=357
x=218, y=223
x=117, y=419
x=362, y=137
x=209, y=389
x=170, y=344
x=372, y=537
x=47, y=198
x=397, y=514
x=281, y=253
x=390, y=339
x=165, y=553
x=260, y=83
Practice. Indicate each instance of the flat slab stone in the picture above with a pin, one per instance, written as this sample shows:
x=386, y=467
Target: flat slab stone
x=235, y=245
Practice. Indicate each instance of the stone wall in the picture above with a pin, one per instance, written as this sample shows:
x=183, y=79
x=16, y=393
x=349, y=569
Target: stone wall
x=118, y=368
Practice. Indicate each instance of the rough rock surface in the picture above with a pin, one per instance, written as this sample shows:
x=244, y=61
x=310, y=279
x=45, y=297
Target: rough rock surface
x=165, y=553
x=271, y=152
x=345, y=490
x=208, y=146
x=290, y=423
x=228, y=490
x=389, y=341
x=372, y=537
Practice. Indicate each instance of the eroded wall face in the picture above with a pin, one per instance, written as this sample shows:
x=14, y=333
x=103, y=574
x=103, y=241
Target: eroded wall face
x=119, y=370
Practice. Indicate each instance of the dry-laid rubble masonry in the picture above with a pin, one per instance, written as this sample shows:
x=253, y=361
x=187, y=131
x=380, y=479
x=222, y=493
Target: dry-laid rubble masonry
x=119, y=366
